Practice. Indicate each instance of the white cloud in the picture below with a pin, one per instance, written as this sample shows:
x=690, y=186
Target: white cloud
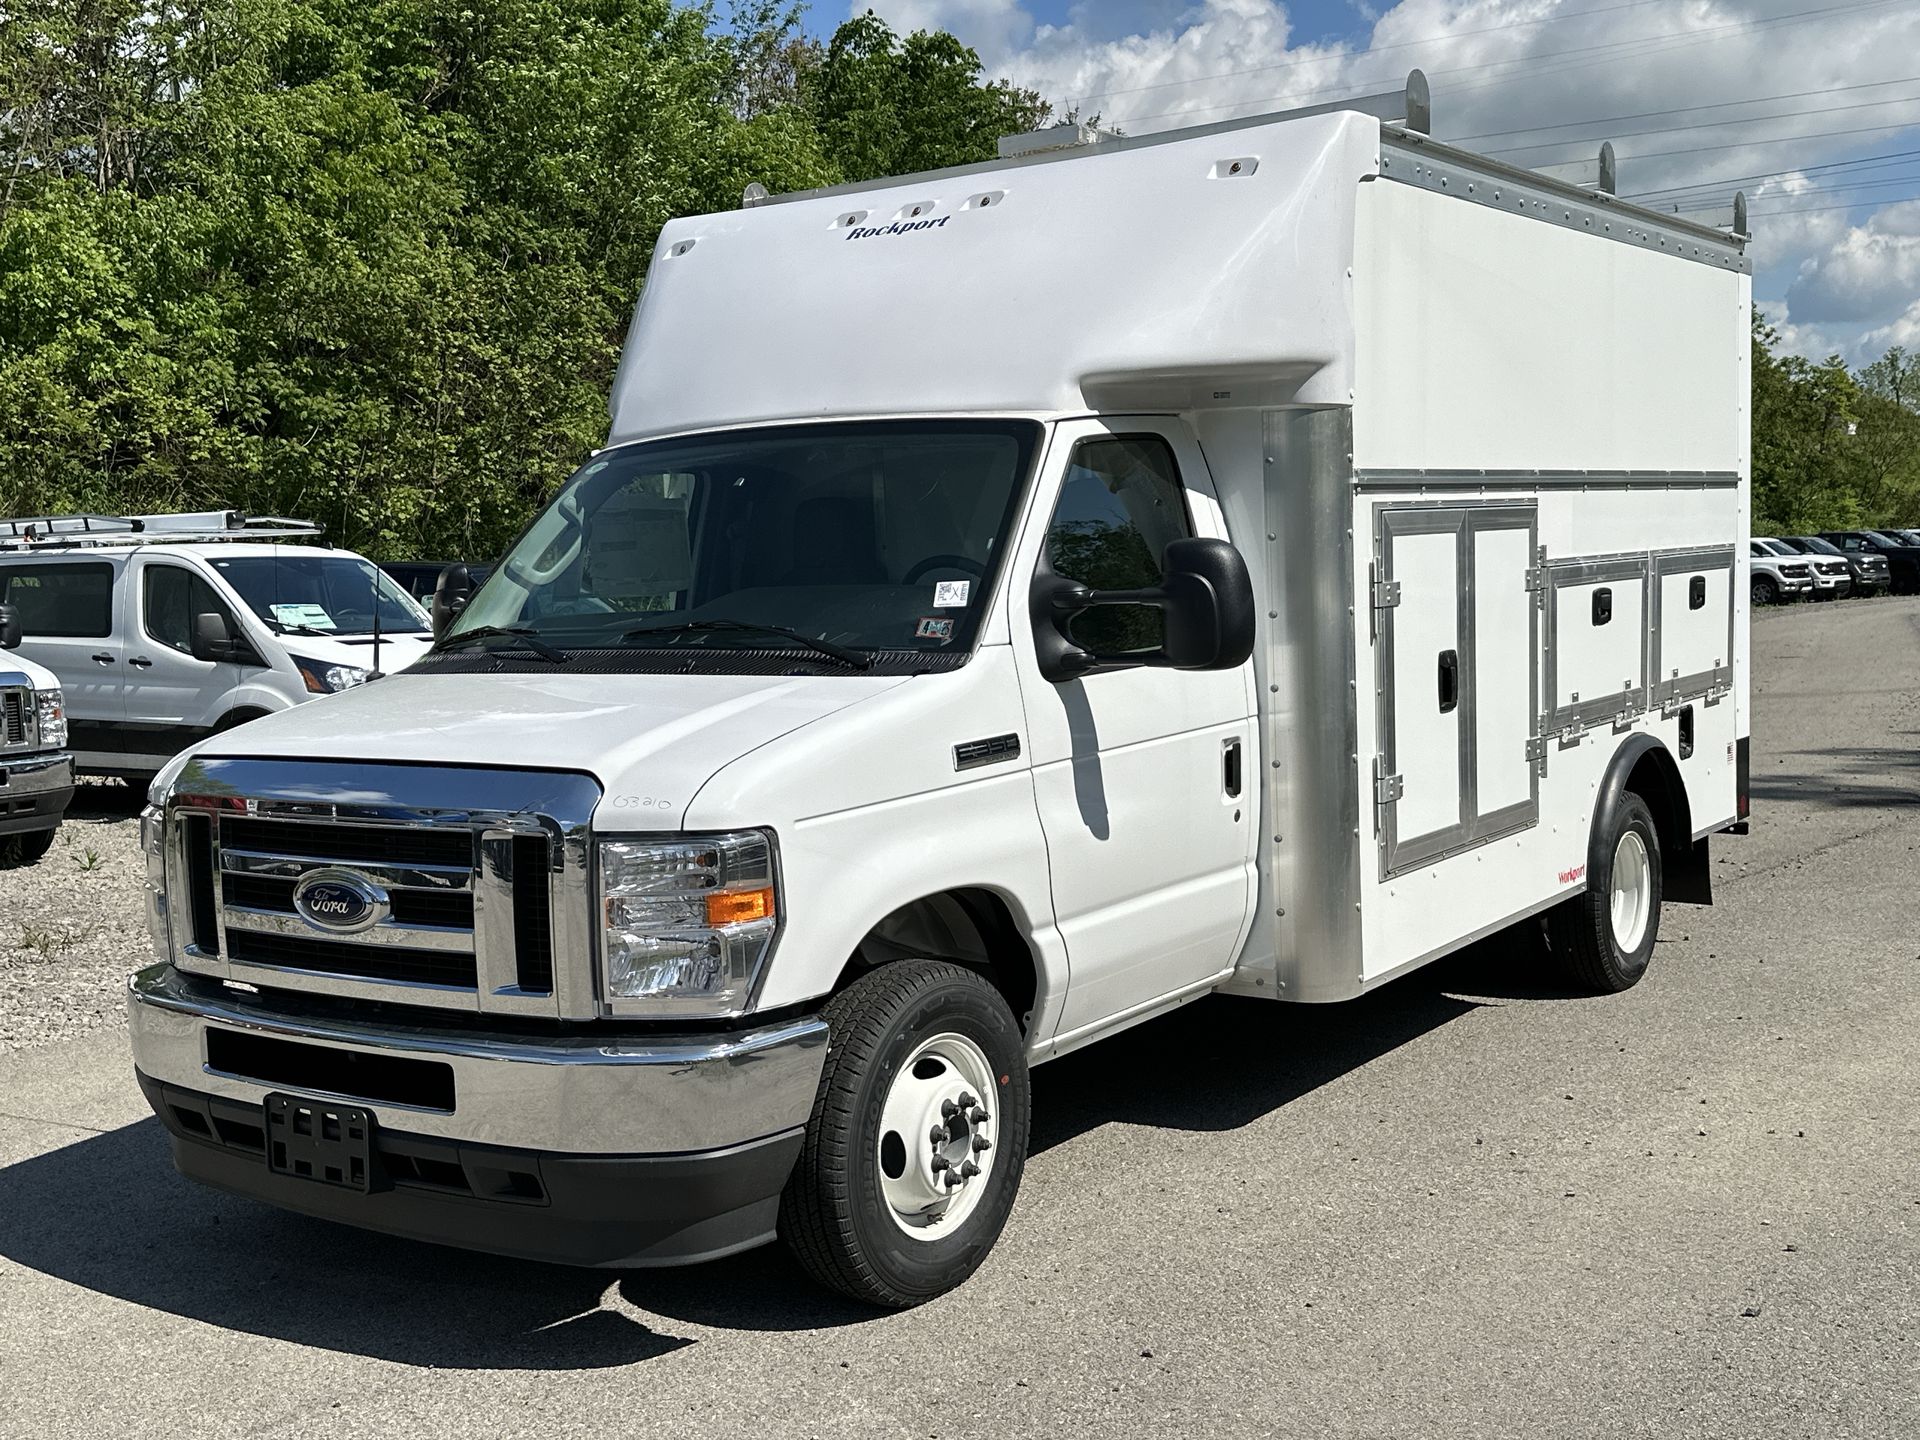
x=1512, y=75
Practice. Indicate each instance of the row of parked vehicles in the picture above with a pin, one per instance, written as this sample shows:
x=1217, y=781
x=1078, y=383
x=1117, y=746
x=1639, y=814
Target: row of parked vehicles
x=1833, y=564
x=131, y=637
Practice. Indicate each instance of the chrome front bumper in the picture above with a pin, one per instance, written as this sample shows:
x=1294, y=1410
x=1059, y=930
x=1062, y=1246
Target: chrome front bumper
x=573, y=1094
x=34, y=789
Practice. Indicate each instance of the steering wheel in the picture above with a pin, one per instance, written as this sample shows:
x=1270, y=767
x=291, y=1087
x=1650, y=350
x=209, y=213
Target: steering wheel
x=945, y=562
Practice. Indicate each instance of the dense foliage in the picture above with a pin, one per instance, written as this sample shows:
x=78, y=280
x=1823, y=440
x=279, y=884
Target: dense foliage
x=1833, y=449
x=370, y=261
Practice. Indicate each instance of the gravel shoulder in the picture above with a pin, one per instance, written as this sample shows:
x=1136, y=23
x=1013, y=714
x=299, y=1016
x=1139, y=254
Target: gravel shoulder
x=73, y=926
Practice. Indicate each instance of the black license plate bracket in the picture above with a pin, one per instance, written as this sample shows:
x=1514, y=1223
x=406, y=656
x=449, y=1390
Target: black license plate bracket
x=314, y=1140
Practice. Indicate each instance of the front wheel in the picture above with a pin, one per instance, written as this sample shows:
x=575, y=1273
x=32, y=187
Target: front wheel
x=25, y=849
x=918, y=1135
x=1606, y=935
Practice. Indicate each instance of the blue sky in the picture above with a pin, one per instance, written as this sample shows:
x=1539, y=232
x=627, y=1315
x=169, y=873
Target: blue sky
x=1314, y=20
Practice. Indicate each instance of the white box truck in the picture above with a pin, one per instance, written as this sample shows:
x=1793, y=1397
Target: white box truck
x=1013, y=601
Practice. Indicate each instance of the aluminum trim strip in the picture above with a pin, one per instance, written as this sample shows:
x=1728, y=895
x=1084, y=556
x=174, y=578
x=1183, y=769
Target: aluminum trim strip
x=596, y=1094
x=1447, y=480
x=1410, y=158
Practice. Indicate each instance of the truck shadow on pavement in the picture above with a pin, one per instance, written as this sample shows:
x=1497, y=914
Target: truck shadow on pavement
x=108, y=1213
x=1849, y=777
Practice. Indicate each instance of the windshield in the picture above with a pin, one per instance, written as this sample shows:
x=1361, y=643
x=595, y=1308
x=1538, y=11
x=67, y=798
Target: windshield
x=871, y=536
x=328, y=594
x=1820, y=547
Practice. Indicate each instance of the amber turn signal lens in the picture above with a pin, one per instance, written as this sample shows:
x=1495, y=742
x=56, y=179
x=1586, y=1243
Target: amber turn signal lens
x=737, y=907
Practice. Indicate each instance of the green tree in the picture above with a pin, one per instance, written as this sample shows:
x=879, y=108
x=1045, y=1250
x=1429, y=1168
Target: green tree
x=372, y=260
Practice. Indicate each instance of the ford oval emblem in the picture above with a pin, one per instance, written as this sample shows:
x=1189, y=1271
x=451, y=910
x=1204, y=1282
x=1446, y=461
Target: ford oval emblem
x=339, y=901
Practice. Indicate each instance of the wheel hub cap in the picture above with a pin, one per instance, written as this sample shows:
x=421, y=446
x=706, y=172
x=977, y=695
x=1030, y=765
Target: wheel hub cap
x=938, y=1129
x=1632, y=893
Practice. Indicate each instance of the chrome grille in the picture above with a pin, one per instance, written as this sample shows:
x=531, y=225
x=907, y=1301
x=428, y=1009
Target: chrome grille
x=16, y=718
x=478, y=877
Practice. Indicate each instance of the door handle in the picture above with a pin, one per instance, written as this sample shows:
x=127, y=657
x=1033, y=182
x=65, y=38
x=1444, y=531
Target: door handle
x=1230, y=768
x=103, y=658
x=142, y=661
x=1449, y=680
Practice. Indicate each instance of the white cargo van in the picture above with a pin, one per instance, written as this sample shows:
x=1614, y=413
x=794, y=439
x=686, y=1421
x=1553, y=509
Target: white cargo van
x=1013, y=601
x=165, y=629
x=36, y=772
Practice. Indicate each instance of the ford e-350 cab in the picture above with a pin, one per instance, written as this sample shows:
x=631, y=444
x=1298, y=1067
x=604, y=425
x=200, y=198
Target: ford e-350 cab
x=1196, y=564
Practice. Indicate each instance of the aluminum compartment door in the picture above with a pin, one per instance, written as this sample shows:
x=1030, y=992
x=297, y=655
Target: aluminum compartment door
x=1504, y=786
x=1420, y=788
x=1692, y=624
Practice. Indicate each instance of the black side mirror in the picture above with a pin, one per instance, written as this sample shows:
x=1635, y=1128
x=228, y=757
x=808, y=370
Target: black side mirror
x=9, y=628
x=213, y=639
x=1206, y=596
x=450, y=595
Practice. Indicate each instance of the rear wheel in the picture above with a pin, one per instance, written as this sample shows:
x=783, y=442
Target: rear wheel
x=1765, y=592
x=1605, y=936
x=918, y=1135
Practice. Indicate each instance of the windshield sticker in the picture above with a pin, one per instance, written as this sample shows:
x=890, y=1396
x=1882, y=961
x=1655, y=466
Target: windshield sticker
x=313, y=617
x=951, y=594
x=934, y=627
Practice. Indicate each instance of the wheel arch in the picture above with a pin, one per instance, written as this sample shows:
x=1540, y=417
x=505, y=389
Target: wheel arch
x=240, y=715
x=969, y=925
x=1645, y=767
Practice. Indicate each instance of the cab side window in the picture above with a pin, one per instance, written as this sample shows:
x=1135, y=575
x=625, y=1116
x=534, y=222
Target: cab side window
x=61, y=600
x=171, y=596
x=1120, y=504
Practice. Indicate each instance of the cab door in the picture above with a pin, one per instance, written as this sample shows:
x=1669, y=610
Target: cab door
x=172, y=699
x=1142, y=774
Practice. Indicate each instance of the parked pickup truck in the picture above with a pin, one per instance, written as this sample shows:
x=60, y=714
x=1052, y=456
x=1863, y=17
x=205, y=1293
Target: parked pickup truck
x=36, y=772
x=1012, y=602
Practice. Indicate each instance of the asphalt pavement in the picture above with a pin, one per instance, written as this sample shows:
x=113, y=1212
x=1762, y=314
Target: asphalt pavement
x=1468, y=1205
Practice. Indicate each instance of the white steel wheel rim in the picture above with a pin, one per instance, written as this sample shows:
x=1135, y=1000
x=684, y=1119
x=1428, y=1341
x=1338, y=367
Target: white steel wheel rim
x=1632, y=891
x=939, y=1130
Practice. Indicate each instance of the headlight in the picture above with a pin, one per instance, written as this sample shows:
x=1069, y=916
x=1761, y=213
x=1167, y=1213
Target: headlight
x=686, y=922
x=53, y=718
x=324, y=679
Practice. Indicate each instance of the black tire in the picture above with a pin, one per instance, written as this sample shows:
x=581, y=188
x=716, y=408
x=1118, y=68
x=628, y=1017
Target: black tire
x=1581, y=929
x=1764, y=591
x=833, y=1215
x=27, y=849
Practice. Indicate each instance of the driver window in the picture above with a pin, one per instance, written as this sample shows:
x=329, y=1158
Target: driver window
x=1119, y=506
x=170, y=598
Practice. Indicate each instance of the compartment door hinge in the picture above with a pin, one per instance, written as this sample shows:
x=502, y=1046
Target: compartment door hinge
x=1386, y=788
x=1386, y=594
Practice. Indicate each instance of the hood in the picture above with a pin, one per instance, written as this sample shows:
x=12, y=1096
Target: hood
x=16, y=669
x=396, y=651
x=650, y=740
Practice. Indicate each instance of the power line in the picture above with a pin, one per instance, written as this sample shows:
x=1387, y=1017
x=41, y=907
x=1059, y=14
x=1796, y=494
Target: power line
x=1697, y=203
x=1737, y=145
x=1718, y=124
x=1847, y=205
x=1638, y=46
x=1865, y=162
x=1373, y=50
x=1684, y=110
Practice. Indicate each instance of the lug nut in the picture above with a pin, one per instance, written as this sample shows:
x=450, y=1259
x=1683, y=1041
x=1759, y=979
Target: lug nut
x=939, y=1163
x=949, y=1109
x=966, y=1099
x=938, y=1135
x=980, y=1142
x=979, y=1116
x=968, y=1169
x=952, y=1178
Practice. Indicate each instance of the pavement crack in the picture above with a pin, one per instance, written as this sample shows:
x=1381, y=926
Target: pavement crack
x=62, y=1124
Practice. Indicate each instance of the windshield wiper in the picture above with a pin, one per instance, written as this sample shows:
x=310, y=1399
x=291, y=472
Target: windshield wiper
x=526, y=634
x=851, y=658
x=286, y=629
